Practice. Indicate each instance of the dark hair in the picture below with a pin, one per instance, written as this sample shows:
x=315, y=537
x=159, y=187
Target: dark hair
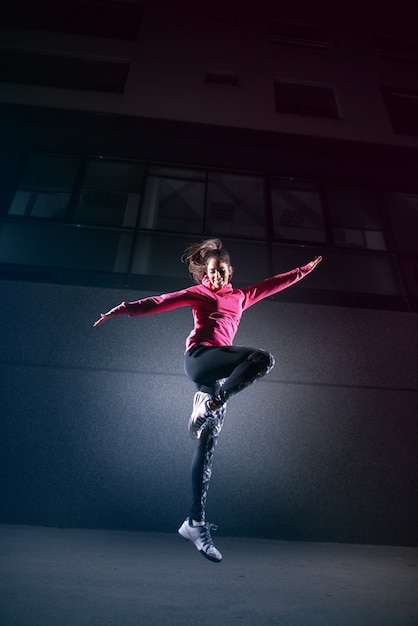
x=197, y=256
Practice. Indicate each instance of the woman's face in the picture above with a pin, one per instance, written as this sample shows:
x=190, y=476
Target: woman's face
x=218, y=272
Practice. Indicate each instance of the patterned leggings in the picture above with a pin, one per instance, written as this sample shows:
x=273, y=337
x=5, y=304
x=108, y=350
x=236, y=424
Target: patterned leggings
x=221, y=372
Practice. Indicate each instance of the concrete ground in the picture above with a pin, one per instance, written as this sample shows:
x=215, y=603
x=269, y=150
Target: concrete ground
x=65, y=577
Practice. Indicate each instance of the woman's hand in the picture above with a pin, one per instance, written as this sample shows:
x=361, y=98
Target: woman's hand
x=103, y=318
x=315, y=262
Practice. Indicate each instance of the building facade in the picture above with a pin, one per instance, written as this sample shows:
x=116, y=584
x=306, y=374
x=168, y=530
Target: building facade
x=130, y=129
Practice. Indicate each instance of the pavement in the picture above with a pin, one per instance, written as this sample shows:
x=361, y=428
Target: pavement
x=81, y=577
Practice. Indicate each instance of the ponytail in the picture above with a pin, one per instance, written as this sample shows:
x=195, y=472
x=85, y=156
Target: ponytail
x=197, y=255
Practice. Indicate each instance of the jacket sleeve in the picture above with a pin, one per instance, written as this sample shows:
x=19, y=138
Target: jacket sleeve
x=269, y=286
x=156, y=304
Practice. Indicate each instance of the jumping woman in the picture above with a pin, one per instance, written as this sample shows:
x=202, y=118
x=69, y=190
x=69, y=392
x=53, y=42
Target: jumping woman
x=218, y=369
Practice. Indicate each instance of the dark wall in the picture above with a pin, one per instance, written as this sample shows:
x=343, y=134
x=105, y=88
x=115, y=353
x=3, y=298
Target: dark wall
x=94, y=421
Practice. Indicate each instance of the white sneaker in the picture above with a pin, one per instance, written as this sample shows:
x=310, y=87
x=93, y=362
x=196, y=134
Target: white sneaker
x=200, y=536
x=201, y=414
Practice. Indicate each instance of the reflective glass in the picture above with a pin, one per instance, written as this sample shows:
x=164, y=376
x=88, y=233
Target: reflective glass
x=47, y=205
x=110, y=194
x=65, y=246
x=107, y=208
x=109, y=174
x=235, y=206
x=355, y=217
x=20, y=203
x=297, y=211
x=174, y=200
x=402, y=211
x=160, y=255
x=341, y=270
x=49, y=173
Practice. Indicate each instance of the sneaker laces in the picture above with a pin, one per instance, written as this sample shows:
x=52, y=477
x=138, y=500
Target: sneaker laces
x=206, y=536
x=210, y=418
x=201, y=421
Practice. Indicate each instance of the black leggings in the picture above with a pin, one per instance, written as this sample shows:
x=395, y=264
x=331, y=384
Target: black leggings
x=221, y=372
x=224, y=371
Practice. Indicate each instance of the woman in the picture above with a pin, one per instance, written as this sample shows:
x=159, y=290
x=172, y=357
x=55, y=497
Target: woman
x=218, y=369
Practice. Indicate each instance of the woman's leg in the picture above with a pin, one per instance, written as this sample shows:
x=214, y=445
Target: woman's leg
x=238, y=366
x=195, y=528
x=202, y=467
x=220, y=372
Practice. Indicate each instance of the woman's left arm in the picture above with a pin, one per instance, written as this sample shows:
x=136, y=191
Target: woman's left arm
x=270, y=286
x=312, y=264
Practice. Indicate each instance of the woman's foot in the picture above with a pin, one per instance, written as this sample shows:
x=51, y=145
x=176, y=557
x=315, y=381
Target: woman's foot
x=200, y=536
x=201, y=414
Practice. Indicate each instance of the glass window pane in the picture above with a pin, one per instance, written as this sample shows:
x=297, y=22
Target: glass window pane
x=250, y=260
x=57, y=245
x=297, y=211
x=402, y=211
x=20, y=203
x=160, y=255
x=110, y=194
x=349, y=237
x=174, y=200
x=355, y=217
x=353, y=272
x=371, y=239
x=118, y=175
x=409, y=268
x=181, y=173
x=50, y=173
x=10, y=168
x=45, y=205
x=235, y=206
x=107, y=208
x=50, y=205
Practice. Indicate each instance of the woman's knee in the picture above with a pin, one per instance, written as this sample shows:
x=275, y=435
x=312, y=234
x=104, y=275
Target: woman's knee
x=263, y=360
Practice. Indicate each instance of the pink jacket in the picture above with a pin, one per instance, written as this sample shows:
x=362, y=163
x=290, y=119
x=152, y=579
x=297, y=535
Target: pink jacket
x=216, y=312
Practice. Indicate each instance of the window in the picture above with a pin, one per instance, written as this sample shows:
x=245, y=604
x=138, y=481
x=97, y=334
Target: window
x=224, y=18
x=291, y=33
x=63, y=71
x=402, y=211
x=159, y=255
x=10, y=170
x=402, y=107
x=174, y=200
x=305, y=99
x=345, y=271
x=235, y=205
x=45, y=187
x=115, y=19
x=110, y=193
x=125, y=223
x=250, y=259
x=65, y=246
x=297, y=211
x=355, y=217
x=397, y=50
x=219, y=77
x=183, y=200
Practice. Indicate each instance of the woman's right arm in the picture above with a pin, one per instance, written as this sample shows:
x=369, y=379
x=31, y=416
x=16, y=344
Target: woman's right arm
x=103, y=317
x=152, y=304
